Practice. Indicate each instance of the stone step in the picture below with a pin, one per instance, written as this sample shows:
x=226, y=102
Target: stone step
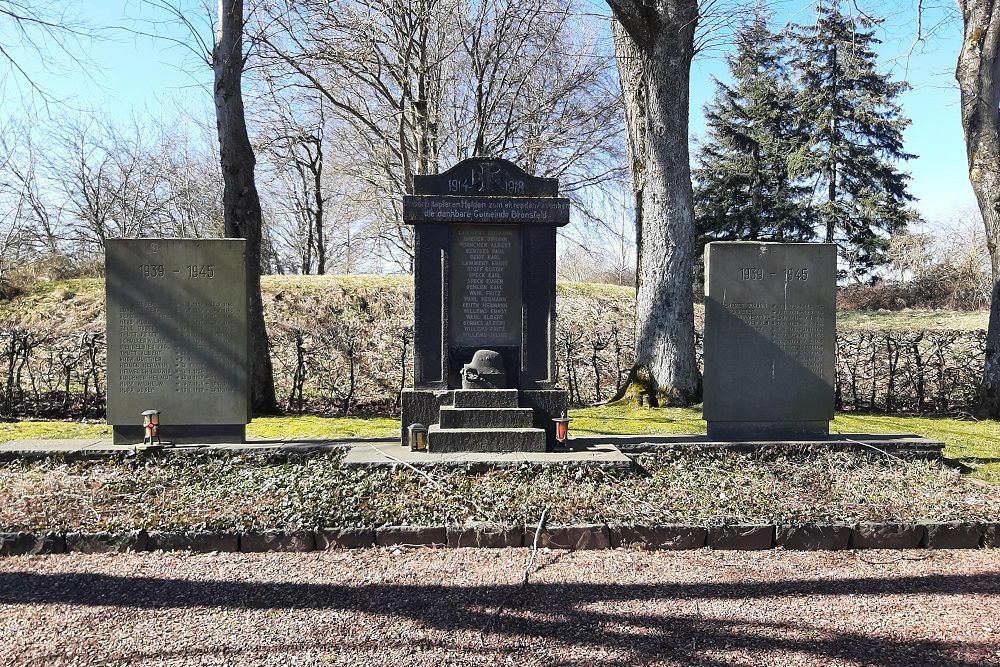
x=486, y=417
x=486, y=398
x=485, y=439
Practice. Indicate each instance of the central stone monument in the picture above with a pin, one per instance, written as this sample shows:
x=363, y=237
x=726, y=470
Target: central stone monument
x=770, y=336
x=484, y=308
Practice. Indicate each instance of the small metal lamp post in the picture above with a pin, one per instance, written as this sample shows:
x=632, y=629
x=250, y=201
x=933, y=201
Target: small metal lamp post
x=151, y=427
x=418, y=437
x=562, y=428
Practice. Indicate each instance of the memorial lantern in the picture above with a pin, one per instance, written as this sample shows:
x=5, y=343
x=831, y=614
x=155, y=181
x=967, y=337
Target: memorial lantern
x=151, y=426
x=418, y=437
x=562, y=428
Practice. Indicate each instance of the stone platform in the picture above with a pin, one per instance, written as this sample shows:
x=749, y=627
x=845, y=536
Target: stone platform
x=361, y=452
x=603, y=450
x=901, y=445
x=599, y=454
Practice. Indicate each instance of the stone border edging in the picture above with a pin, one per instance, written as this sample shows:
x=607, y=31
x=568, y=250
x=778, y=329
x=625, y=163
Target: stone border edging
x=740, y=537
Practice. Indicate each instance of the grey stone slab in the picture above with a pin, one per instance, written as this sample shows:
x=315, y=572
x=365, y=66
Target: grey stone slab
x=195, y=541
x=486, y=398
x=991, y=536
x=742, y=538
x=672, y=537
x=489, y=536
x=547, y=404
x=177, y=331
x=769, y=431
x=887, y=536
x=413, y=536
x=104, y=542
x=576, y=537
x=538, y=354
x=813, y=537
x=387, y=455
x=485, y=440
x=185, y=434
x=431, y=244
x=31, y=544
x=953, y=535
x=486, y=417
x=903, y=445
x=770, y=328
x=421, y=406
x=344, y=538
x=274, y=540
x=52, y=446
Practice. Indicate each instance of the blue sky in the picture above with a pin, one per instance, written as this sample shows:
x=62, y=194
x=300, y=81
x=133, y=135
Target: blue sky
x=132, y=73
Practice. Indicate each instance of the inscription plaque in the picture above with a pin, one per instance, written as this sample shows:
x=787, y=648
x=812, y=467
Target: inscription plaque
x=444, y=208
x=177, y=331
x=485, y=293
x=770, y=333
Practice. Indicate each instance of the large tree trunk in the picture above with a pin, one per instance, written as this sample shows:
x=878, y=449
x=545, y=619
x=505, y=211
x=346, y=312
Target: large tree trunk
x=654, y=45
x=241, y=205
x=979, y=80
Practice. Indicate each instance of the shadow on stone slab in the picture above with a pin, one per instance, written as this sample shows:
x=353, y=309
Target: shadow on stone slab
x=344, y=538
x=489, y=536
x=273, y=540
x=412, y=536
x=954, y=535
x=659, y=537
x=194, y=541
x=585, y=536
x=991, y=536
x=31, y=544
x=813, y=537
x=107, y=543
x=887, y=536
x=742, y=538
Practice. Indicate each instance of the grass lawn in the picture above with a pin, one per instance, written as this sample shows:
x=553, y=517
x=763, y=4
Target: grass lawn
x=974, y=444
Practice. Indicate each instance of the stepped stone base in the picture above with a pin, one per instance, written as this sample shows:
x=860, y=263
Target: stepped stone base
x=486, y=417
x=486, y=398
x=485, y=439
x=484, y=410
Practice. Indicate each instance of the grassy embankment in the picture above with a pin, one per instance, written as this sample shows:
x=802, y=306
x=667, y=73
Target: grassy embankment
x=976, y=444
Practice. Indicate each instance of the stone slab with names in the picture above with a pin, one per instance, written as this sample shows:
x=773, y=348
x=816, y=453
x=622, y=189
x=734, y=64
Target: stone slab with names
x=770, y=337
x=484, y=279
x=177, y=338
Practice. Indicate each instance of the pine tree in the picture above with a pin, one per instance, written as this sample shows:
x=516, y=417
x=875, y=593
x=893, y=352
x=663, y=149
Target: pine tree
x=855, y=129
x=743, y=186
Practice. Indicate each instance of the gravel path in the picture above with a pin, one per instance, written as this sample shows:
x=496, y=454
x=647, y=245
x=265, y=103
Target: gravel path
x=438, y=607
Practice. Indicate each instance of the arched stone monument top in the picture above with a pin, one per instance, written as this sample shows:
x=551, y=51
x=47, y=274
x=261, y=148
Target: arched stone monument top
x=486, y=177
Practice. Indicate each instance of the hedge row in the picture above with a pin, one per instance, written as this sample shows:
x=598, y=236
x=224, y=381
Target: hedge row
x=351, y=370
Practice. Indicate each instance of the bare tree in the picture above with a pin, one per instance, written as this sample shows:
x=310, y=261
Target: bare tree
x=412, y=87
x=240, y=202
x=978, y=75
x=46, y=34
x=654, y=43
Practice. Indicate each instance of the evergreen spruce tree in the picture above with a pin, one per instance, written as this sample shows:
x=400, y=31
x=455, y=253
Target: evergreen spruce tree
x=855, y=130
x=743, y=187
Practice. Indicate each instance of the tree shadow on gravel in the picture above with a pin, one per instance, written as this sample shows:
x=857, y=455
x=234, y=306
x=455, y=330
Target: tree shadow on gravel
x=617, y=618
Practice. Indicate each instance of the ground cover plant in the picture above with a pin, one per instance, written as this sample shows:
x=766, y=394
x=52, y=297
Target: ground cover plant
x=232, y=492
x=246, y=492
